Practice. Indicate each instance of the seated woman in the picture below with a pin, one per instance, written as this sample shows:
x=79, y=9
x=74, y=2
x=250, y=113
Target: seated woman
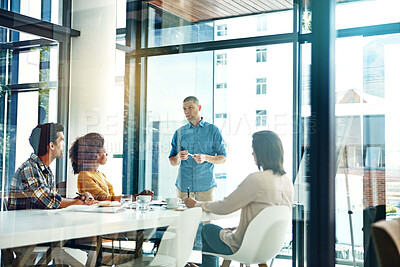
x=268, y=187
x=87, y=153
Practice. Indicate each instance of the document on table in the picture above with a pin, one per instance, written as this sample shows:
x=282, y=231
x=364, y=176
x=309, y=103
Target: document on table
x=97, y=209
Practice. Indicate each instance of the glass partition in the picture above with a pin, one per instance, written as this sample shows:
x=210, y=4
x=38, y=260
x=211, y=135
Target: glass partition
x=237, y=108
x=367, y=144
x=240, y=97
x=249, y=63
x=190, y=74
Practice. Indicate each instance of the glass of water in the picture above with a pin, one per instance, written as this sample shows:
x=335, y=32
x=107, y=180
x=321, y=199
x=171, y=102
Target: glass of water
x=143, y=202
x=126, y=201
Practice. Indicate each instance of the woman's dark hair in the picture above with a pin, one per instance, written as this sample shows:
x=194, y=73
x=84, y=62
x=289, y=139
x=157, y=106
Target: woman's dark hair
x=269, y=151
x=84, y=152
x=44, y=134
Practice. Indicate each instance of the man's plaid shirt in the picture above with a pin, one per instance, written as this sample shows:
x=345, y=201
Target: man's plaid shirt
x=33, y=187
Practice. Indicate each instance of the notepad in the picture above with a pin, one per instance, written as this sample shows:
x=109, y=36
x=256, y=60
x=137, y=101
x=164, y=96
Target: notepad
x=97, y=209
x=107, y=203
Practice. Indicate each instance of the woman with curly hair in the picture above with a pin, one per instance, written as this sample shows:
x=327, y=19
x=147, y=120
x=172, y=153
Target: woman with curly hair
x=87, y=153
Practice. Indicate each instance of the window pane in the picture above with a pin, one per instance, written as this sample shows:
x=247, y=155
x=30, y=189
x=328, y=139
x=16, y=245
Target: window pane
x=168, y=29
x=261, y=54
x=164, y=110
x=29, y=95
x=350, y=14
x=34, y=9
x=235, y=110
x=29, y=65
x=27, y=120
x=367, y=143
x=262, y=22
x=222, y=30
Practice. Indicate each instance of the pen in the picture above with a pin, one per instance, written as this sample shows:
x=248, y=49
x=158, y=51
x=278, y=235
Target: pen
x=188, y=192
x=83, y=195
x=190, y=155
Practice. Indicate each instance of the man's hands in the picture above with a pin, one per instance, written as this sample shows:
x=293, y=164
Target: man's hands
x=183, y=155
x=190, y=202
x=176, y=160
x=200, y=158
x=82, y=199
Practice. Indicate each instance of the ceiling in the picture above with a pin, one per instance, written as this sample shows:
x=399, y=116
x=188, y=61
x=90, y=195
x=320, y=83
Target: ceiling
x=201, y=10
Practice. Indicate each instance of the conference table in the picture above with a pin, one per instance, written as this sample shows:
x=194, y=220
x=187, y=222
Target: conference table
x=26, y=228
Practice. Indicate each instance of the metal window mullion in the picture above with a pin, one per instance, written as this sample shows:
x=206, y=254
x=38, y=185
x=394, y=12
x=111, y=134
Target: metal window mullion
x=44, y=69
x=63, y=88
x=133, y=100
x=298, y=220
x=215, y=45
x=321, y=230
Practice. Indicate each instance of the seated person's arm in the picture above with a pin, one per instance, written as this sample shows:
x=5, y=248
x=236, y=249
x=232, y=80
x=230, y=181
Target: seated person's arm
x=40, y=194
x=65, y=202
x=88, y=184
x=112, y=196
x=244, y=194
x=87, y=199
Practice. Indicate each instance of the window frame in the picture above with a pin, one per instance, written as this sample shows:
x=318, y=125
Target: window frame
x=261, y=54
x=261, y=86
x=222, y=30
x=221, y=59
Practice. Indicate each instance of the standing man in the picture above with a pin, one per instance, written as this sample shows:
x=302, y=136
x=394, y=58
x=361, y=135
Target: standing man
x=33, y=184
x=196, y=147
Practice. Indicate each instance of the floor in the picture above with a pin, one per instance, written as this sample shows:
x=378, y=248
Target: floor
x=196, y=258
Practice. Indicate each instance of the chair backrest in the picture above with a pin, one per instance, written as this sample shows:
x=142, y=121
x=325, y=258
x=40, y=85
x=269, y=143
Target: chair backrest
x=386, y=238
x=264, y=236
x=185, y=230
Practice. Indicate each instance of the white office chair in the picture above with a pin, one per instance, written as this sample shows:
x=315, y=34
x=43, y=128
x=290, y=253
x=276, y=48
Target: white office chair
x=263, y=239
x=175, y=252
x=386, y=238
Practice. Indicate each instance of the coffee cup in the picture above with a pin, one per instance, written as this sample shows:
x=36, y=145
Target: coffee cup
x=172, y=202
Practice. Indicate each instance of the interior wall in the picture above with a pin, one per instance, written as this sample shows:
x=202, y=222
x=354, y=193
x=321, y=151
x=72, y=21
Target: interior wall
x=93, y=98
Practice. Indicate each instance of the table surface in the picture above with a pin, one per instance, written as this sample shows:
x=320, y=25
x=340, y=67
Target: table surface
x=29, y=227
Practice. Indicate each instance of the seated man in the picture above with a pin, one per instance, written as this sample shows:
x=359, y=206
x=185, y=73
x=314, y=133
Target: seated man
x=33, y=184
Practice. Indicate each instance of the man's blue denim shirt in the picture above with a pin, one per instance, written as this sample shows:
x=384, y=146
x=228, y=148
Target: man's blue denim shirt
x=205, y=139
